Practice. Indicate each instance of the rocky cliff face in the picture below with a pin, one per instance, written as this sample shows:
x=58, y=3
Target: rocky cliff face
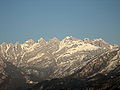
x=33, y=62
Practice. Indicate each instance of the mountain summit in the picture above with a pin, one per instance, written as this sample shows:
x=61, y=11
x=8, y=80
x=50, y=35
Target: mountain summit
x=75, y=63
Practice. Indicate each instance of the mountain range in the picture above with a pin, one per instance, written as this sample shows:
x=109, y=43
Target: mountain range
x=68, y=64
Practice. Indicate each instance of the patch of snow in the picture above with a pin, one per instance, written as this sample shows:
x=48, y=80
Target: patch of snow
x=36, y=57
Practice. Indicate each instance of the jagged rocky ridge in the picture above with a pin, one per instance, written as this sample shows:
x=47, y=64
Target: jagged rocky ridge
x=23, y=65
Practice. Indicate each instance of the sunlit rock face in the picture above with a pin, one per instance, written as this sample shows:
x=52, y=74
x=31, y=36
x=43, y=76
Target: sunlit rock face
x=33, y=62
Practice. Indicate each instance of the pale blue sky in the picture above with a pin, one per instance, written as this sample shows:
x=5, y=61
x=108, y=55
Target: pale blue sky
x=21, y=20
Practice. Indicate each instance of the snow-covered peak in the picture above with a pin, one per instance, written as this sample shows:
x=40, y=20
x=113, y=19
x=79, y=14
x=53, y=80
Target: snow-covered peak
x=28, y=45
x=70, y=38
x=87, y=40
x=101, y=43
x=54, y=40
x=42, y=41
x=17, y=43
x=98, y=39
x=74, y=45
x=30, y=41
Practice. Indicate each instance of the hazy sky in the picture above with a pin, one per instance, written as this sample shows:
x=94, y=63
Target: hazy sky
x=21, y=20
